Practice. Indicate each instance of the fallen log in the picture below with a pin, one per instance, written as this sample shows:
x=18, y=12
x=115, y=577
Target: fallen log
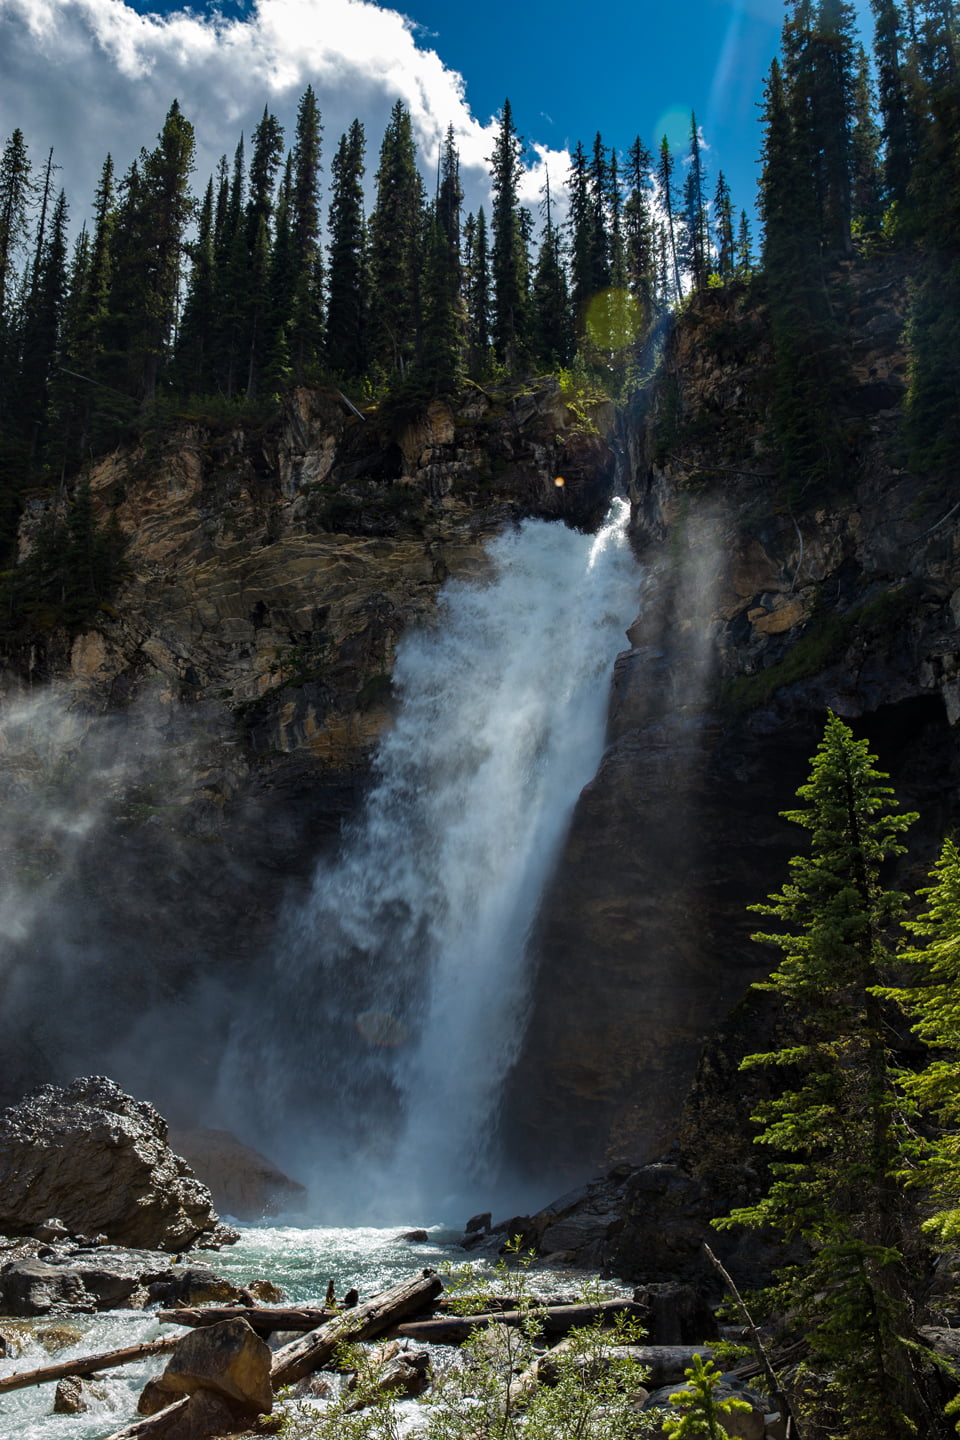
x=554, y=1320
x=315, y=1349
x=259, y=1317
x=88, y=1364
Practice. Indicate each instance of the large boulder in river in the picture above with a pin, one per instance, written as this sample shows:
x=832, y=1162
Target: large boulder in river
x=99, y=1160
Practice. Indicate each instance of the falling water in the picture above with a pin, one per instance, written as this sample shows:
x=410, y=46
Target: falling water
x=400, y=987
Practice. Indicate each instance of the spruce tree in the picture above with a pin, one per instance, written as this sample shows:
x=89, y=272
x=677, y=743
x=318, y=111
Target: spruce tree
x=932, y=1002
x=553, y=338
x=696, y=236
x=347, y=299
x=834, y=1126
x=667, y=196
x=477, y=288
x=305, y=316
x=193, y=359
x=898, y=130
x=639, y=230
x=396, y=231
x=16, y=192
x=723, y=212
x=509, y=261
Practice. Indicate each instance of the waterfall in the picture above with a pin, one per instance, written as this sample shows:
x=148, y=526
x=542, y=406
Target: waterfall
x=398, y=997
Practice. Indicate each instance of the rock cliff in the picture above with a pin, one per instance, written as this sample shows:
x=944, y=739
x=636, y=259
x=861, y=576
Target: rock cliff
x=764, y=609
x=192, y=753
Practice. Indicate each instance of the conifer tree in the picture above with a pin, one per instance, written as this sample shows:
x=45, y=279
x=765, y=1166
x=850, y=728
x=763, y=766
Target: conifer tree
x=932, y=1002
x=553, y=339
x=744, y=264
x=580, y=229
x=477, y=287
x=898, y=130
x=43, y=316
x=723, y=211
x=639, y=230
x=347, y=289
x=264, y=165
x=305, y=316
x=867, y=187
x=16, y=191
x=834, y=80
x=834, y=1126
x=509, y=261
x=396, y=231
x=193, y=361
x=696, y=238
x=667, y=196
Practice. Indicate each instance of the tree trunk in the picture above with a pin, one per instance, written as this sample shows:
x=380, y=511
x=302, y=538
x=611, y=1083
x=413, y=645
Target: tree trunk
x=554, y=1320
x=88, y=1364
x=314, y=1350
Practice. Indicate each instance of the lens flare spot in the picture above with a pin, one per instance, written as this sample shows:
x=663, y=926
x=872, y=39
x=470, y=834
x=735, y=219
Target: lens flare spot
x=675, y=124
x=380, y=1028
x=613, y=319
x=559, y=482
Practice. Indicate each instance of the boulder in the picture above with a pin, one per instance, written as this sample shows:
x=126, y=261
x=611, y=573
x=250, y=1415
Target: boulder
x=73, y=1393
x=99, y=1160
x=243, y=1182
x=192, y=1417
x=228, y=1359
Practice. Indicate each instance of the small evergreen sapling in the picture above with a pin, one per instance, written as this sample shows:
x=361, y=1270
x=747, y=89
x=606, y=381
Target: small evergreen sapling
x=703, y=1411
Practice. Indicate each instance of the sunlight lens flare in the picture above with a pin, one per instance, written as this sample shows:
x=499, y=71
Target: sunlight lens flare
x=675, y=124
x=613, y=319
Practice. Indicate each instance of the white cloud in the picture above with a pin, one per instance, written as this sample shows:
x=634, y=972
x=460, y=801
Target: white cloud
x=91, y=76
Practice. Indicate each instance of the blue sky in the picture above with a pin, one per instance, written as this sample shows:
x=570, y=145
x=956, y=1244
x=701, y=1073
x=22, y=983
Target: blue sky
x=91, y=75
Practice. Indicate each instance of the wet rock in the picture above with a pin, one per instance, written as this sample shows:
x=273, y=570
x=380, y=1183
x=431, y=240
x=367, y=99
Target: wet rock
x=414, y=1237
x=227, y=1358
x=194, y=1285
x=194, y=1417
x=98, y=1158
x=478, y=1222
x=34, y=1287
x=243, y=1182
x=73, y=1394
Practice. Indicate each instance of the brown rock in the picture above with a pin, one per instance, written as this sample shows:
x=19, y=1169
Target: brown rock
x=99, y=1159
x=227, y=1358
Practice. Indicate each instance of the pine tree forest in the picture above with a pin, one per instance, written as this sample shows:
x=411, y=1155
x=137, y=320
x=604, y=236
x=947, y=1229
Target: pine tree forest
x=181, y=294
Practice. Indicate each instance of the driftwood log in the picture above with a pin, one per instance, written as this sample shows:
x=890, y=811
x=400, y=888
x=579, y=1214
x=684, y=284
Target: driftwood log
x=264, y=1319
x=553, y=1320
x=88, y=1364
x=315, y=1349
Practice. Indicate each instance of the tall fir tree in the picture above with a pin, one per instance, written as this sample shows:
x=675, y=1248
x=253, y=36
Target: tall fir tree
x=553, y=337
x=509, y=264
x=305, y=322
x=477, y=294
x=898, y=127
x=347, y=300
x=667, y=198
x=723, y=222
x=639, y=230
x=695, y=228
x=396, y=233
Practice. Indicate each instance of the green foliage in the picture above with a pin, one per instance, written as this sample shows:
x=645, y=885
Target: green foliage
x=835, y=1125
x=704, y=1412
x=589, y=1393
x=932, y=1003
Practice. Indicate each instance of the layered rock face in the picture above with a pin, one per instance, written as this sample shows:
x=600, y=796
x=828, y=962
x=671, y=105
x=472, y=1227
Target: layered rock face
x=98, y=1160
x=762, y=612
x=202, y=745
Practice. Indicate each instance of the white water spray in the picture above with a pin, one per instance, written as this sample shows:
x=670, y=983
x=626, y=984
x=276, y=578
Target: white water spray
x=404, y=978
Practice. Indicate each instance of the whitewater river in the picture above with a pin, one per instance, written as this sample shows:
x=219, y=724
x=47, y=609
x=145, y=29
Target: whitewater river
x=302, y=1261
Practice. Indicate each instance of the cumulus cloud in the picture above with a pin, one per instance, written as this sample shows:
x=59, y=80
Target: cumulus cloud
x=88, y=76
